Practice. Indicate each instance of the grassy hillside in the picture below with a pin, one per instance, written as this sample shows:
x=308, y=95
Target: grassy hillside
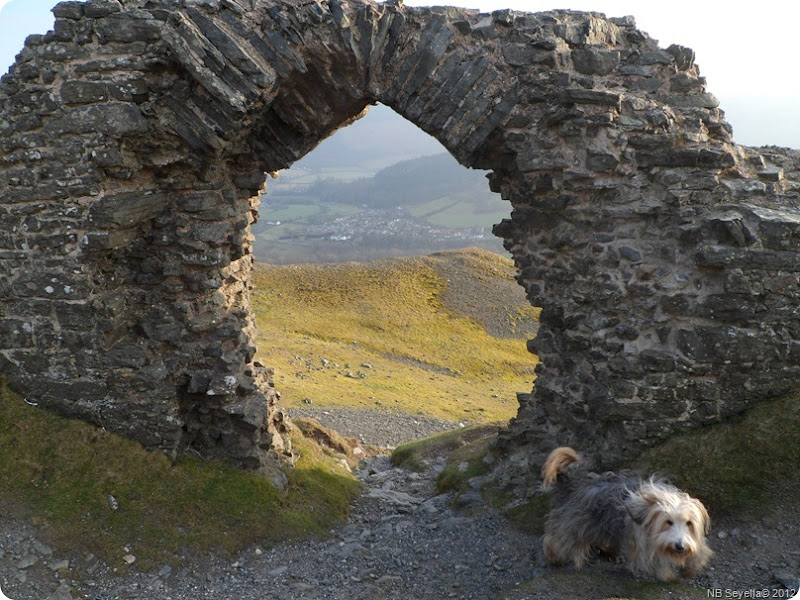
x=60, y=473
x=396, y=334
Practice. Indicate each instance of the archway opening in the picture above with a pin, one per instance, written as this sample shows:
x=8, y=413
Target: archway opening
x=378, y=188
x=410, y=320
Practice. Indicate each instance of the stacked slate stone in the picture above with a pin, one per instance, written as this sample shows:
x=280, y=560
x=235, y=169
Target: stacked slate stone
x=136, y=137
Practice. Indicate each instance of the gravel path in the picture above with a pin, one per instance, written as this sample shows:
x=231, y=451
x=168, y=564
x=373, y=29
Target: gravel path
x=403, y=542
x=378, y=428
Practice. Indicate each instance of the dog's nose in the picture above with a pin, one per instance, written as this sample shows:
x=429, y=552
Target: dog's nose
x=679, y=548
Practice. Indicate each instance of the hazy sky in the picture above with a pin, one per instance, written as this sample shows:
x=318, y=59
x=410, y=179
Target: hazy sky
x=746, y=52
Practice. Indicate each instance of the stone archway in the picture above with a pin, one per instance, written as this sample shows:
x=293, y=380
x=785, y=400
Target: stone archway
x=136, y=137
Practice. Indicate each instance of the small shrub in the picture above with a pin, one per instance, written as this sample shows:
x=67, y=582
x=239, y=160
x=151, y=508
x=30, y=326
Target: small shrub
x=411, y=455
x=528, y=516
x=464, y=463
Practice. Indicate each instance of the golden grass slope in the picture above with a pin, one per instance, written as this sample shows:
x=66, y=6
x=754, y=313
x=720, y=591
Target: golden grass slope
x=382, y=334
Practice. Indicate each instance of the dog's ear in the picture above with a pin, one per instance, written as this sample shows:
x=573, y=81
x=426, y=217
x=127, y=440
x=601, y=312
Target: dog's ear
x=703, y=514
x=639, y=504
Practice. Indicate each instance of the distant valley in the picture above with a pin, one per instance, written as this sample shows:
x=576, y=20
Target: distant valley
x=378, y=188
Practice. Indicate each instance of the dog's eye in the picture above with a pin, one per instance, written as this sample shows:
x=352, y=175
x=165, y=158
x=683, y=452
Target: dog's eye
x=689, y=524
x=670, y=523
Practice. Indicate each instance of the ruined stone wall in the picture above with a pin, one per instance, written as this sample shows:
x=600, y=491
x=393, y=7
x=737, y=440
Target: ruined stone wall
x=135, y=137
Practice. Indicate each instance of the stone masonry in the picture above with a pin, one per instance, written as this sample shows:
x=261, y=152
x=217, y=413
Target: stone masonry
x=135, y=138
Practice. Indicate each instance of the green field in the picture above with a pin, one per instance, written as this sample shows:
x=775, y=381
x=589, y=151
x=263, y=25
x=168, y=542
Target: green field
x=281, y=220
x=294, y=212
x=462, y=210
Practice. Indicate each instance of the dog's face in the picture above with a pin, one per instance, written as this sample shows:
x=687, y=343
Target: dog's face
x=679, y=530
x=676, y=524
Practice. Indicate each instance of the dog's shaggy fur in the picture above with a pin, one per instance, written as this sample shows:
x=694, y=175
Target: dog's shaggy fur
x=657, y=529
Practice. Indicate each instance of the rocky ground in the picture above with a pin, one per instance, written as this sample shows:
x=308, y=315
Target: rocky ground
x=403, y=542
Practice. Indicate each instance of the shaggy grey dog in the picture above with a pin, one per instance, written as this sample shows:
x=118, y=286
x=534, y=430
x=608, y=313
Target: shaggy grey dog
x=656, y=528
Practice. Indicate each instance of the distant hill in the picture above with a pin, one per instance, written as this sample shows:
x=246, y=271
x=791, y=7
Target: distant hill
x=379, y=139
x=408, y=183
